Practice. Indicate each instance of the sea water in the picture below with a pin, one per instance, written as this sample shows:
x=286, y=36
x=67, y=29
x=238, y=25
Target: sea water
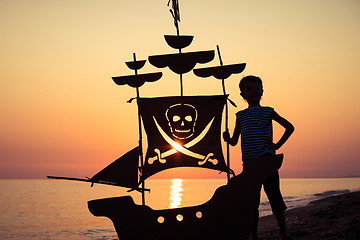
x=54, y=209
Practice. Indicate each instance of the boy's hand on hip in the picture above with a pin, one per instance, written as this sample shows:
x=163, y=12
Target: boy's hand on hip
x=271, y=145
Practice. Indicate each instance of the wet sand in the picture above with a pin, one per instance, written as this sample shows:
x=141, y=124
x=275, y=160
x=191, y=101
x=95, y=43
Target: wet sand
x=336, y=217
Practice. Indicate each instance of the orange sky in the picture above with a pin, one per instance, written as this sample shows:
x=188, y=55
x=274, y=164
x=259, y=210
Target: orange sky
x=61, y=114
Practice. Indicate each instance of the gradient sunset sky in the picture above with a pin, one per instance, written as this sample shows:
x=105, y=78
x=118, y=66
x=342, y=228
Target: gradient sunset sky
x=61, y=113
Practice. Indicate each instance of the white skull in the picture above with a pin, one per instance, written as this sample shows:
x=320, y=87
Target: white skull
x=181, y=119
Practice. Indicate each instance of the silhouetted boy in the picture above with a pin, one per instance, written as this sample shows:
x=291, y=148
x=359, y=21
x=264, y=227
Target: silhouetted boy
x=255, y=126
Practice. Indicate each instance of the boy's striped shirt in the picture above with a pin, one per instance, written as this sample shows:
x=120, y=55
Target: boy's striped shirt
x=256, y=129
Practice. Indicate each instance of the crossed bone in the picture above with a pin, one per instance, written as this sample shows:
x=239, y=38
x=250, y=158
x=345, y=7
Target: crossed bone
x=183, y=149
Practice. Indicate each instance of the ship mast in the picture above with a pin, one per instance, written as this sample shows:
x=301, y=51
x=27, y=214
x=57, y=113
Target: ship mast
x=226, y=117
x=136, y=81
x=175, y=12
x=141, y=159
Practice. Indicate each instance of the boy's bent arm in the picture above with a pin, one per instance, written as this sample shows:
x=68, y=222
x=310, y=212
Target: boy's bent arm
x=289, y=129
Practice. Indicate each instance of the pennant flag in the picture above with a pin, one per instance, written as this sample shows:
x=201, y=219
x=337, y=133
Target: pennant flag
x=182, y=132
x=175, y=7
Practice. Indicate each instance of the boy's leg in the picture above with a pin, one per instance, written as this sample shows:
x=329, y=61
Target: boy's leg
x=256, y=217
x=280, y=218
x=272, y=190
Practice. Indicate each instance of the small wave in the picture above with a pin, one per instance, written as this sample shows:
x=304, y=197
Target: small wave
x=330, y=193
x=289, y=198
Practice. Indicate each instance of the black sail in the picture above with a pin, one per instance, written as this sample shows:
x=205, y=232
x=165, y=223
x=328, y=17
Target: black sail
x=122, y=172
x=182, y=132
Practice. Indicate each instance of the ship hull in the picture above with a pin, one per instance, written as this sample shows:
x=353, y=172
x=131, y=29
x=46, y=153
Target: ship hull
x=229, y=213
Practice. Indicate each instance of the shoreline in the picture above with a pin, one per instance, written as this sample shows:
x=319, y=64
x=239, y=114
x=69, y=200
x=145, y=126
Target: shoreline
x=333, y=217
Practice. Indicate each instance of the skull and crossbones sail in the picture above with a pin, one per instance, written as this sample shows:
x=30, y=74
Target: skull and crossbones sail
x=182, y=132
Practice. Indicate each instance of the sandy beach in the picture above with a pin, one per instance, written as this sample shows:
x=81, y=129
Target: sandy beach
x=335, y=217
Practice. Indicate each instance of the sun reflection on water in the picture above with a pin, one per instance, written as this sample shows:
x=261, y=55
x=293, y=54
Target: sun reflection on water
x=175, y=193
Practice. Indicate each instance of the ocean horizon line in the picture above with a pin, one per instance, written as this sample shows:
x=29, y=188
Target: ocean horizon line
x=187, y=178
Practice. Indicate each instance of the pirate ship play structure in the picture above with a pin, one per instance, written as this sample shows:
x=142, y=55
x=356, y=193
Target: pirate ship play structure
x=181, y=131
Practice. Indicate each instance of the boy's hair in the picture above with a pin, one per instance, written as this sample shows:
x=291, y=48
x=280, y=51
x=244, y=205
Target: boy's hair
x=247, y=79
